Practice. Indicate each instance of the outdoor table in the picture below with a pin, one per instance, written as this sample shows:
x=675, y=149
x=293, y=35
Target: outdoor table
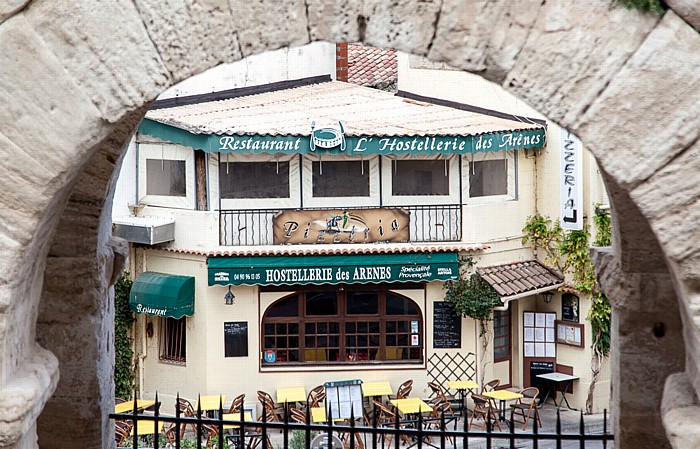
x=413, y=406
x=503, y=396
x=557, y=382
x=147, y=428
x=210, y=404
x=462, y=386
x=128, y=406
x=290, y=394
x=318, y=415
x=236, y=417
x=376, y=390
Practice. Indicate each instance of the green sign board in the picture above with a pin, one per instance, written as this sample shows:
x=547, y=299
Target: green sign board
x=337, y=143
x=335, y=269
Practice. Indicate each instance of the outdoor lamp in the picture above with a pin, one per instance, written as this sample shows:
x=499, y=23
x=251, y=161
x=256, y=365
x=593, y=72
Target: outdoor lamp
x=229, y=297
x=547, y=297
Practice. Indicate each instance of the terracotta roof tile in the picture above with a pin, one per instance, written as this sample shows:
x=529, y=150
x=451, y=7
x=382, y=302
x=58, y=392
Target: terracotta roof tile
x=370, y=66
x=299, y=250
x=516, y=278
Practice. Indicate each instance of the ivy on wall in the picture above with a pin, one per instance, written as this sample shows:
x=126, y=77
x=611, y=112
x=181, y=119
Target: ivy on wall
x=123, y=352
x=569, y=253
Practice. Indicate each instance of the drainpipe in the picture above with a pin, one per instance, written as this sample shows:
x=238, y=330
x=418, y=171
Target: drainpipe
x=143, y=353
x=505, y=305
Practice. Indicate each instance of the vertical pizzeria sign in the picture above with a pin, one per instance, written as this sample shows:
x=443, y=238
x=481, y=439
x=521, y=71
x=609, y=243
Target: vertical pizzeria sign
x=571, y=181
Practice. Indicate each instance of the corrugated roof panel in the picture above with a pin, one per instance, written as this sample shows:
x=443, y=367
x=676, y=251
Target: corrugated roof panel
x=363, y=111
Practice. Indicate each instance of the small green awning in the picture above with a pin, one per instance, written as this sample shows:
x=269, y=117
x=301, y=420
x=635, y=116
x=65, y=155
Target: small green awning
x=165, y=295
x=335, y=269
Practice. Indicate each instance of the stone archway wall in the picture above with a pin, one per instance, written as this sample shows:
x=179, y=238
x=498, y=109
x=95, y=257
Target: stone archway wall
x=76, y=77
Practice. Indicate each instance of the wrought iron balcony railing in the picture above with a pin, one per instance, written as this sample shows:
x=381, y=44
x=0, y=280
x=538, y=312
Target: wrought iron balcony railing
x=428, y=223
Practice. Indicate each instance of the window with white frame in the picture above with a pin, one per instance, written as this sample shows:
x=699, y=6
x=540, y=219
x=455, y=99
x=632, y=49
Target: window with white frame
x=254, y=181
x=490, y=176
x=331, y=178
x=166, y=175
x=412, y=180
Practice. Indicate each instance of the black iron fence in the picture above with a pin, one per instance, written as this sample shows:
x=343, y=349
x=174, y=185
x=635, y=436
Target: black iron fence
x=297, y=430
x=429, y=223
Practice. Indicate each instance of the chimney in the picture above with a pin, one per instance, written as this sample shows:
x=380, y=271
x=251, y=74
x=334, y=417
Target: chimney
x=341, y=62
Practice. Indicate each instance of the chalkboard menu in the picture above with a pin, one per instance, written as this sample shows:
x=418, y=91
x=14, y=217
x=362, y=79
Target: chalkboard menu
x=236, y=339
x=537, y=367
x=447, y=326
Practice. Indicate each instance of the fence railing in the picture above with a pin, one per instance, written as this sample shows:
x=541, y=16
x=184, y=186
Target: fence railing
x=428, y=223
x=441, y=432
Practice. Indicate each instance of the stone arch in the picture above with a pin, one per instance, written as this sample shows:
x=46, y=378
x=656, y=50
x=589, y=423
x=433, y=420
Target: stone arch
x=75, y=81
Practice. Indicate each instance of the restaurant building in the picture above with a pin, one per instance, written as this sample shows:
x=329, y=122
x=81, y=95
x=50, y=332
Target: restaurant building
x=301, y=232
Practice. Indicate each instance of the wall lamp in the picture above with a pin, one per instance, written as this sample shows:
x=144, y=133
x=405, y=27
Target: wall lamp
x=229, y=297
x=547, y=297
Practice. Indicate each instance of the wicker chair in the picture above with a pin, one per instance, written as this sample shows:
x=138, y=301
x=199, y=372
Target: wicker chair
x=483, y=411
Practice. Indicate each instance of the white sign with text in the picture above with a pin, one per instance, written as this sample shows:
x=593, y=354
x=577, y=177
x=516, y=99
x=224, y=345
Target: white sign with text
x=571, y=181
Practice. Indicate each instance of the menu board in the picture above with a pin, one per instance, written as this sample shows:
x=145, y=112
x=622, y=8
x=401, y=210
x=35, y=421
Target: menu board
x=447, y=326
x=236, y=339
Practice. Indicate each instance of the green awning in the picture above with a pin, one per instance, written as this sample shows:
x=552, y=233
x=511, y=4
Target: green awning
x=335, y=269
x=165, y=295
x=501, y=140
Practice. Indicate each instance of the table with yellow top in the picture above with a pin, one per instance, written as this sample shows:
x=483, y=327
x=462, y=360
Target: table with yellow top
x=147, y=428
x=318, y=415
x=128, y=406
x=503, y=396
x=411, y=406
x=236, y=417
x=213, y=402
x=462, y=386
x=372, y=390
x=291, y=394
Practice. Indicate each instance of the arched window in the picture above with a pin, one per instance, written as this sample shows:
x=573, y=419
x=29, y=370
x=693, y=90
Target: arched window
x=351, y=326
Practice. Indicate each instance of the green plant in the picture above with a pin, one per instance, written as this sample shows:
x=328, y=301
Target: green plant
x=603, y=225
x=298, y=439
x=473, y=297
x=569, y=252
x=645, y=5
x=123, y=352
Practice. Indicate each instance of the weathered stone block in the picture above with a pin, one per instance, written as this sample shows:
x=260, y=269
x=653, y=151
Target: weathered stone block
x=577, y=48
x=269, y=24
x=335, y=20
x=402, y=24
x=650, y=111
x=105, y=49
x=186, y=43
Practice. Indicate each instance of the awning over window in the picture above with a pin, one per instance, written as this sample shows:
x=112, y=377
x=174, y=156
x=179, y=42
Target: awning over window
x=332, y=269
x=519, y=279
x=163, y=295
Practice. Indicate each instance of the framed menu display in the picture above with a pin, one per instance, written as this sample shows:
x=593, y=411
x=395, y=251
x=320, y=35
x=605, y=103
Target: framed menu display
x=539, y=334
x=570, y=333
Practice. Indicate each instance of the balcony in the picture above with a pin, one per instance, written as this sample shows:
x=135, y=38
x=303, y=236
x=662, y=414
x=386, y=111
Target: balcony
x=427, y=223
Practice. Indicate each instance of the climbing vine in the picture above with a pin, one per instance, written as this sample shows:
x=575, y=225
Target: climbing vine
x=124, y=354
x=569, y=253
x=473, y=297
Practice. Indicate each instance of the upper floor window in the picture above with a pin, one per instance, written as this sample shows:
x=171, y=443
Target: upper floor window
x=166, y=175
x=421, y=177
x=335, y=179
x=353, y=326
x=330, y=180
x=490, y=176
x=254, y=179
